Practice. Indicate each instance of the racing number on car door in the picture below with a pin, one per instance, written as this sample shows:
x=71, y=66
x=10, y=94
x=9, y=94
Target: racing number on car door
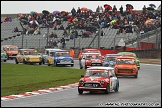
x=21, y=58
x=112, y=79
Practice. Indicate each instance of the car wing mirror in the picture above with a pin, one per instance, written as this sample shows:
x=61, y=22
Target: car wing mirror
x=82, y=76
x=111, y=76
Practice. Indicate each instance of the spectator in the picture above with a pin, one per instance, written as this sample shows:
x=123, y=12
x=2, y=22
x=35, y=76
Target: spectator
x=61, y=27
x=72, y=53
x=63, y=42
x=6, y=19
x=15, y=29
x=9, y=19
x=55, y=35
x=114, y=9
x=144, y=9
x=78, y=11
x=51, y=35
x=73, y=11
x=121, y=10
x=37, y=31
x=59, y=44
x=65, y=34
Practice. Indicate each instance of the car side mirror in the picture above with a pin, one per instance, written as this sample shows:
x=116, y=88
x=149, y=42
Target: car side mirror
x=82, y=76
x=111, y=76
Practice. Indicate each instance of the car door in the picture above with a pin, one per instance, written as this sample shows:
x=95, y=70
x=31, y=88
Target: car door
x=19, y=57
x=45, y=57
x=113, y=79
x=83, y=61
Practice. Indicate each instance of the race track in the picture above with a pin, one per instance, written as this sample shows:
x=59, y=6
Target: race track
x=143, y=91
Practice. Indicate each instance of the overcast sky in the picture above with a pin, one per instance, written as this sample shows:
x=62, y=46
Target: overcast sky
x=15, y=7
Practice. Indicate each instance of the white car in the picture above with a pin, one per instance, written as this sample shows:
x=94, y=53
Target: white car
x=47, y=57
x=90, y=59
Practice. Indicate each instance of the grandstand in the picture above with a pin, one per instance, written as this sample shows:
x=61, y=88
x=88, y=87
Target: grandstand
x=108, y=40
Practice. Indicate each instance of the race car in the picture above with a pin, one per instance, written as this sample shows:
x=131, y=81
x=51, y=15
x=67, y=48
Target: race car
x=91, y=50
x=109, y=60
x=131, y=54
x=90, y=59
x=3, y=56
x=63, y=57
x=47, y=56
x=28, y=56
x=98, y=79
x=10, y=50
x=126, y=66
x=57, y=57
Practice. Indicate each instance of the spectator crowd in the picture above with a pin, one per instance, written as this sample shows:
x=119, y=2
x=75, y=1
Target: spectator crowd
x=84, y=19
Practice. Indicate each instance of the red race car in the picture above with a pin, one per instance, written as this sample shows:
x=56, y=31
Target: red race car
x=91, y=59
x=98, y=79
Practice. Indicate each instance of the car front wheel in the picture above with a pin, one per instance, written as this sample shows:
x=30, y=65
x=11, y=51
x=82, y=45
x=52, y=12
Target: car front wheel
x=43, y=61
x=107, y=91
x=80, y=91
x=117, y=87
x=136, y=75
x=55, y=63
x=16, y=61
x=40, y=63
x=24, y=62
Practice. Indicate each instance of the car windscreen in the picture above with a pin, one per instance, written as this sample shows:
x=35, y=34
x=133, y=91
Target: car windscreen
x=13, y=49
x=125, y=61
x=91, y=51
x=130, y=55
x=62, y=54
x=97, y=73
x=30, y=53
x=110, y=59
x=93, y=57
x=2, y=51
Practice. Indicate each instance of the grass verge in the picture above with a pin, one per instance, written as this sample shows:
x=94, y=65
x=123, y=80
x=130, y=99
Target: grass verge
x=22, y=78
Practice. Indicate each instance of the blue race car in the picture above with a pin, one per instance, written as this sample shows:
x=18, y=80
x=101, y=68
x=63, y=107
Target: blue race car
x=109, y=60
x=62, y=57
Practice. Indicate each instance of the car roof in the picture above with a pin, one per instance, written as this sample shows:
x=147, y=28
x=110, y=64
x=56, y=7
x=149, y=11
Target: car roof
x=89, y=48
x=26, y=49
x=62, y=51
x=90, y=53
x=126, y=57
x=126, y=53
x=97, y=67
x=9, y=46
x=113, y=54
x=53, y=49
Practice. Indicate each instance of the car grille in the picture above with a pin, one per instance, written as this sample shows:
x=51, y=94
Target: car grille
x=14, y=54
x=95, y=64
x=2, y=56
x=125, y=70
x=93, y=85
x=34, y=60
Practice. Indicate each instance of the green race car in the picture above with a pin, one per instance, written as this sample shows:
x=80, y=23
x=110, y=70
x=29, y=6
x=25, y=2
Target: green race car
x=132, y=54
x=3, y=56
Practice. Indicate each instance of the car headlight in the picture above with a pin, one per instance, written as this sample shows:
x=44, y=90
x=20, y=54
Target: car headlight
x=81, y=81
x=27, y=58
x=102, y=81
x=10, y=52
x=116, y=68
x=40, y=58
x=133, y=69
